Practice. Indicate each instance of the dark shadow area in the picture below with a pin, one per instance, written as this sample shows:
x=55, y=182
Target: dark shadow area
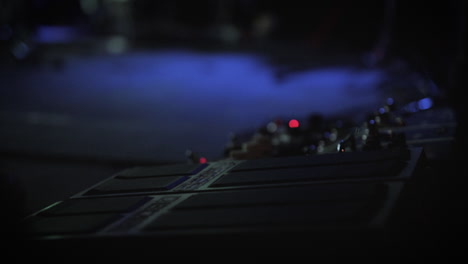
x=91, y=87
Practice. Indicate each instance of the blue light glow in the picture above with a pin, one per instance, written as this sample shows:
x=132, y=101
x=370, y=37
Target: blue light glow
x=425, y=103
x=189, y=99
x=55, y=34
x=390, y=101
x=235, y=84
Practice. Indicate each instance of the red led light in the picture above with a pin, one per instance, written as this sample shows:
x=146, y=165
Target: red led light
x=203, y=160
x=293, y=123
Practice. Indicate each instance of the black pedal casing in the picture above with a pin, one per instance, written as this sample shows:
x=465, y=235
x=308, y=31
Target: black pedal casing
x=330, y=203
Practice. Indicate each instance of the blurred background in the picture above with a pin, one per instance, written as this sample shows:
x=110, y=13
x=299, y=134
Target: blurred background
x=89, y=87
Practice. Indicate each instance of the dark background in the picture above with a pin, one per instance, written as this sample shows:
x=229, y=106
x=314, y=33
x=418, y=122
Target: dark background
x=90, y=87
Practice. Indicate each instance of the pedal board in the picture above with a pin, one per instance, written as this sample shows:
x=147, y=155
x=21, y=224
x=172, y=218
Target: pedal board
x=271, y=202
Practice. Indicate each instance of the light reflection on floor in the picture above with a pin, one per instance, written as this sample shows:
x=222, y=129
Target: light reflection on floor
x=156, y=105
